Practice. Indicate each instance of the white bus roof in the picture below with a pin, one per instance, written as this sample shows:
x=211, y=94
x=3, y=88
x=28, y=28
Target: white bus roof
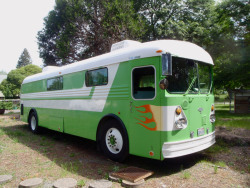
x=131, y=50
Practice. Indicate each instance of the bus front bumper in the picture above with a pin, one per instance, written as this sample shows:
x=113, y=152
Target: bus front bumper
x=185, y=147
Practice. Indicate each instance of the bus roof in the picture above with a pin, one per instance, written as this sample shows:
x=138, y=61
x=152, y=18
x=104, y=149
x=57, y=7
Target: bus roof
x=132, y=50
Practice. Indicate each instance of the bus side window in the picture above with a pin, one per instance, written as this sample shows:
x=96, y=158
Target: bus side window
x=143, y=83
x=97, y=77
x=55, y=83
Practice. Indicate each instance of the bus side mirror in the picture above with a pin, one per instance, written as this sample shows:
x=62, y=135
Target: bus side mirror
x=166, y=64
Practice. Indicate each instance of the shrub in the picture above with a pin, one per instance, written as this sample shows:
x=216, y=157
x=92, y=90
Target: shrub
x=5, y=105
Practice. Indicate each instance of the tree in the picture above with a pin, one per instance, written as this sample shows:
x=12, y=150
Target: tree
x=24, y=59
x=189, y=20
x=78, y=29
x=10, y=87
x=230, y=49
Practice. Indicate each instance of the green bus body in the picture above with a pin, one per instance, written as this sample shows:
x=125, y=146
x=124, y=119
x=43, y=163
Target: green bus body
x=144, y=119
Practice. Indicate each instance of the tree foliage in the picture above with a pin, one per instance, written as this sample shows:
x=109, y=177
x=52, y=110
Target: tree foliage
x=24, y=59
x=10, y=87
x=177, y=19
x=79, y=29
x=230, y=49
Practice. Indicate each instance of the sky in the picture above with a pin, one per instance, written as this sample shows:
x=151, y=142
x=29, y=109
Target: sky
x=20, y=20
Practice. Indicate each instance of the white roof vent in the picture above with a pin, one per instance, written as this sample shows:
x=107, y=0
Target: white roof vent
x=49, y=68
x=124, y=44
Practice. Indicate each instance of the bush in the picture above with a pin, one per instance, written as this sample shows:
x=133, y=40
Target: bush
x=5, y=105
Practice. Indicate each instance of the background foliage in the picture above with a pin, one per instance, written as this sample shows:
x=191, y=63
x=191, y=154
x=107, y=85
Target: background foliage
x=10, y=87
x=79, y=29
x=24, y=59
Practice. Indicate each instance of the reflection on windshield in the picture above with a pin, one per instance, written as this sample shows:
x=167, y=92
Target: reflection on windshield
x=188, y=76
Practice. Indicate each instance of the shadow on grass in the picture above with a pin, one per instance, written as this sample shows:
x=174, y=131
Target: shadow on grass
x=80, y=156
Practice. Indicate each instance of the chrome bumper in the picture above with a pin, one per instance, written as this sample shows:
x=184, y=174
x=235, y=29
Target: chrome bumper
x=185, y=147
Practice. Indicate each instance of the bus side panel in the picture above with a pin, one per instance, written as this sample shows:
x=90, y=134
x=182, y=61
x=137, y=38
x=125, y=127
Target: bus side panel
x=85, y=123
x=145, y=115
x=81, y=123
x=33, y=87
x=141, y=140
x=50, y=118
x=73, y=80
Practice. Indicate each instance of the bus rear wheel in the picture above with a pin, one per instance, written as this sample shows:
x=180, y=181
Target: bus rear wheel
x=114, y=140
x=33, y=123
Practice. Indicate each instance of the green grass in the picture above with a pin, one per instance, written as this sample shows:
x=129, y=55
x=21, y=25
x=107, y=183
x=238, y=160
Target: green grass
x=71, y=167
x=81, y=183
x=2, y=132
x=116, y=168
x=220, y=146
x=225, y=118
x=186, y=175
x=215, y=169
x=220, y=163
x=99, y=171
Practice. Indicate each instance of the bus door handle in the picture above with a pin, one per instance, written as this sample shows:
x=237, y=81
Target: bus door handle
x=131, y=106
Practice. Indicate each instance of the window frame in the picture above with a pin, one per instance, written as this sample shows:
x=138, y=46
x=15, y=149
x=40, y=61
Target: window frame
x=54, y=78
x=95, y=70
x=210, y=77
x=132, y=88
x=198, y=63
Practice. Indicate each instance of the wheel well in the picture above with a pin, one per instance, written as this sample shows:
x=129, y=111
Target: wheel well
x=105, y=119
x=31, y=111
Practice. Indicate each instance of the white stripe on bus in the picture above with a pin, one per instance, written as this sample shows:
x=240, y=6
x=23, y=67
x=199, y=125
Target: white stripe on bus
x=96, y=104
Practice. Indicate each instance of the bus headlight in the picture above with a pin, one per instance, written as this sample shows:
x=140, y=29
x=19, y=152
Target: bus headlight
x=212, y=118
x=180, y=120
x=181, y=123
x=212, y=114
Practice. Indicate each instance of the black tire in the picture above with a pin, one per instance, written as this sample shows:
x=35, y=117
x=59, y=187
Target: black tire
x=33, y=123
x=117, y=151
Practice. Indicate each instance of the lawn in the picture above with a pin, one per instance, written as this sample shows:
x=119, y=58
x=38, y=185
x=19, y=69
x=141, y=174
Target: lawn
x=230, y=120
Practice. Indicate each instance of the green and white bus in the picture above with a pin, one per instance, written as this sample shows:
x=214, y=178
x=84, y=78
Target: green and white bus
x=150, y=99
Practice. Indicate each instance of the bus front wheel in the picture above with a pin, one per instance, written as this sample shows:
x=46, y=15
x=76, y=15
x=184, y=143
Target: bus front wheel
x=33, y=123
x=114, y=140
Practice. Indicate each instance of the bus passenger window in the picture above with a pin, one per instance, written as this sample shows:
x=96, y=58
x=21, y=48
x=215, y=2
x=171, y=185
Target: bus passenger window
x=97, y=77
x=143, y=83
x=55, y=83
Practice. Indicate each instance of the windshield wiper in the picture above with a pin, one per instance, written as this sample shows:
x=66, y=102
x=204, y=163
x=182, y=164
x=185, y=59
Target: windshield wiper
x=191, y=85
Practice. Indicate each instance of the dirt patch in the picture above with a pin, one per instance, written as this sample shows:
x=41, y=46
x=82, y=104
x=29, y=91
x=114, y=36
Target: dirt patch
x=234, y=136
x=237, y=158
x=53, y=155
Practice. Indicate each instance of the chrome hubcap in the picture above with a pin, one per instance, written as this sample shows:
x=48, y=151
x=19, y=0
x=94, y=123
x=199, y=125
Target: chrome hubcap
x=114, y=141
x=33, y=123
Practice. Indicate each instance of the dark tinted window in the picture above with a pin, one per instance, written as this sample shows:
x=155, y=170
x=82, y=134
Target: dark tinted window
x=143, y=83
x=184, y=76
x=189, y=76
x=55, y=83
x=97, y=77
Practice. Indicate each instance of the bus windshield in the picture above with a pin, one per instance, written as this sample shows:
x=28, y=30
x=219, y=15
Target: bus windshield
x=189, y=76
